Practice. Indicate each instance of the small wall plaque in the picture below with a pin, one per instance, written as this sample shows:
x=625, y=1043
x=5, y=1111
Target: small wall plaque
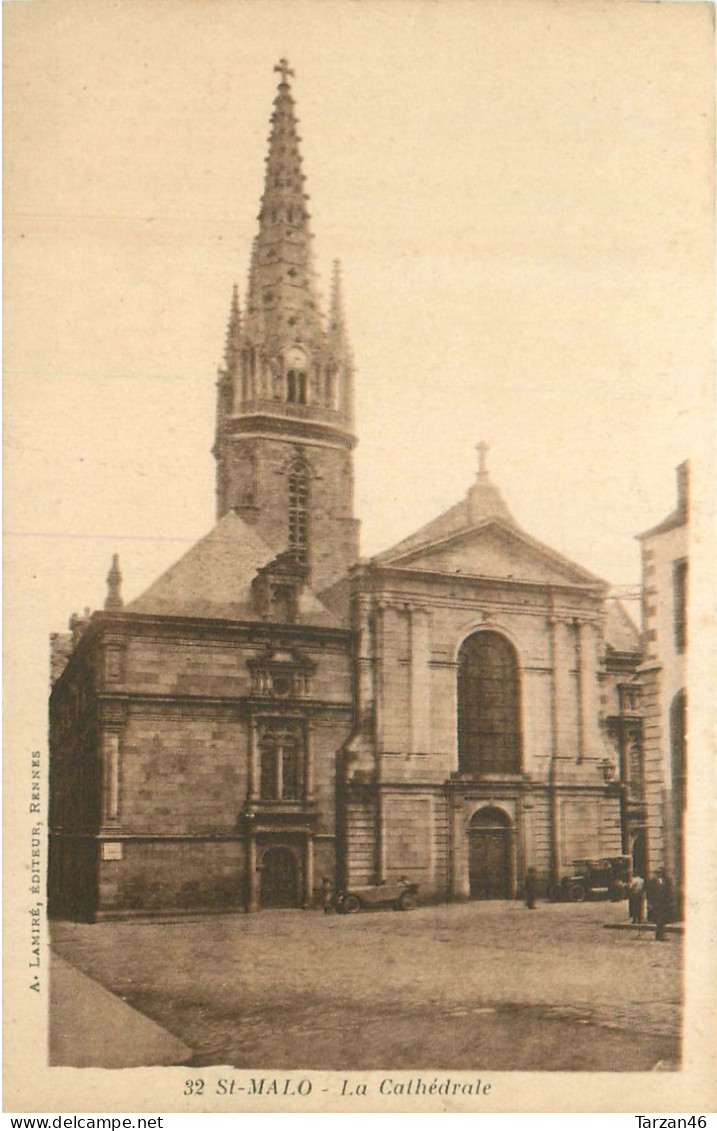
x=112, y=850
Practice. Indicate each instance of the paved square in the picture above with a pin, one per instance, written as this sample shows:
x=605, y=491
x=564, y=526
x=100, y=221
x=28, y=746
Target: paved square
x=471, y=986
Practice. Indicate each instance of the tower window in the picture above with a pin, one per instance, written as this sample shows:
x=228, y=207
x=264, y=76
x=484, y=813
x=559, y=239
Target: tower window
x=296, y=386
x=299, y=514
x=488, y=706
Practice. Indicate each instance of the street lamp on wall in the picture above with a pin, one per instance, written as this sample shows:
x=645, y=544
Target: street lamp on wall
x=609, y=770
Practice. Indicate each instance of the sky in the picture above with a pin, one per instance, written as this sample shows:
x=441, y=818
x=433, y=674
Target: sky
x=520, y=194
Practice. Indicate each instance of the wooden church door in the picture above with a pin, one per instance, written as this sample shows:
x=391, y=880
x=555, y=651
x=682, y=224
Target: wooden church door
x=279, y=878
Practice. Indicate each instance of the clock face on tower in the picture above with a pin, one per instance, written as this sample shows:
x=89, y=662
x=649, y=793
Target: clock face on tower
x=295, y=358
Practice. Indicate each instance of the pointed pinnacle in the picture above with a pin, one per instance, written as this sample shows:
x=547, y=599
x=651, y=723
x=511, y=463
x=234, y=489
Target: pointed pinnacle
x=336, y=312
x=113, y=600
x=233, y=340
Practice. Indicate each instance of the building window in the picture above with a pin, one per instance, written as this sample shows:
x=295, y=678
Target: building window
x=678, y=749
x=110, y=772
x=283, y=603
x=679, y=605
x=281, y=751
x=488, y=706
x=299, y=514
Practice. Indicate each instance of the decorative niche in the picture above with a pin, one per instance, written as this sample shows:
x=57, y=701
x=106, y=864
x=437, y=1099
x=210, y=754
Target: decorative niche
x=281, y=674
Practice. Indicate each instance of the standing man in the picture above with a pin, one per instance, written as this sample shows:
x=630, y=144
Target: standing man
x=531, y=888
x=658, y=900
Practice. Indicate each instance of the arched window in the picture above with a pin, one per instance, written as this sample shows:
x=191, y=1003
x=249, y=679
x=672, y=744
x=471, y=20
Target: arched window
x=299, y=513
x=488, y=706
x=296, y=386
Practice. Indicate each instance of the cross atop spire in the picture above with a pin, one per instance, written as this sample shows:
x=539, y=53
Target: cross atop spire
x=284, y=70
x=482, y=448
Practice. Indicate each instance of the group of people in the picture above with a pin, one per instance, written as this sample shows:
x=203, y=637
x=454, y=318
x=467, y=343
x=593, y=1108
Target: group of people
x=652, y=900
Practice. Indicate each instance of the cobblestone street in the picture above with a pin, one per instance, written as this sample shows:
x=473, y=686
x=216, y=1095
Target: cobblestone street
x=481, y=985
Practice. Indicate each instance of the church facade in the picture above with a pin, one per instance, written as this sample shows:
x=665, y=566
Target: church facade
x=274, y=710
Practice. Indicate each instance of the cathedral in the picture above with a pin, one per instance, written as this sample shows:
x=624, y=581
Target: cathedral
x=275, y=710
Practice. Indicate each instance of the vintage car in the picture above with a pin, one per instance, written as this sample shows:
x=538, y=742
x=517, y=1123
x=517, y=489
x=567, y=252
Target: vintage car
x=606, y=878
x=400, y=894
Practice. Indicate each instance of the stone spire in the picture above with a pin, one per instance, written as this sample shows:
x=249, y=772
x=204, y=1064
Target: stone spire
x=113, y=600
x=283, y=308
x=284, y=433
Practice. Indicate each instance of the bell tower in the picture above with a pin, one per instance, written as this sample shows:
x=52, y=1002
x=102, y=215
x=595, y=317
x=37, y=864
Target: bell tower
x=285, y=424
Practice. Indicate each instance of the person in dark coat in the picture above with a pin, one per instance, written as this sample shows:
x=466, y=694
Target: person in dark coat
x=659, y=898
x=531, y=888
x=327, y=895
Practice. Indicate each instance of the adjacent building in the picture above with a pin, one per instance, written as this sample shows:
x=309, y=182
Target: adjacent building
x=275, y=710
x=665, y=550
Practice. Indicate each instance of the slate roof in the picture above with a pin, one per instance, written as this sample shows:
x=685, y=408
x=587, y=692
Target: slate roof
x=678, y=517
x=213, y=579
x=621, y=632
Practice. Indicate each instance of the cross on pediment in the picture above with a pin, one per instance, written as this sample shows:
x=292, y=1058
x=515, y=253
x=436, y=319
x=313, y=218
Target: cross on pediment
x=284, y=70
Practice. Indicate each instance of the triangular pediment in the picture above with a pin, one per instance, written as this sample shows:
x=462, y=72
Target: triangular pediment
x=494, y=548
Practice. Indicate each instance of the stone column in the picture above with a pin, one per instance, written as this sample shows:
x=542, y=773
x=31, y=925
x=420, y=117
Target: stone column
x=309, y=761
x=560, y=693
x=420, y=696
x=460, y=877
x=379, y=679
x=309, y=872
x=589, y=690
x=382, y=836
x=252, y=767
x=579, y=667
x=555, y=751
x=251, y=900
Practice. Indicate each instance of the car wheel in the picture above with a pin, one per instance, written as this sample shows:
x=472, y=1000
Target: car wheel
x=350, y=904
x=406, y=902
x=577, y=893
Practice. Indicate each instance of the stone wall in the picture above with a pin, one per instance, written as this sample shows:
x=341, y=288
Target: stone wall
x=333, y=531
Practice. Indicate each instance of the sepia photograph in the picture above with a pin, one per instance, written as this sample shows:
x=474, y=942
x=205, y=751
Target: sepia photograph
x=359, y=518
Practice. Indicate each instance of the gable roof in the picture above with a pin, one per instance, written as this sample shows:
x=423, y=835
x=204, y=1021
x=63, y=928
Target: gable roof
x=476, y=538
x=213, y=579
x=483, y=501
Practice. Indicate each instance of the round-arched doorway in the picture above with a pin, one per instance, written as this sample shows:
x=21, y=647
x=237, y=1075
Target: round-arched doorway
x=490, y=855
x=279, y=885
